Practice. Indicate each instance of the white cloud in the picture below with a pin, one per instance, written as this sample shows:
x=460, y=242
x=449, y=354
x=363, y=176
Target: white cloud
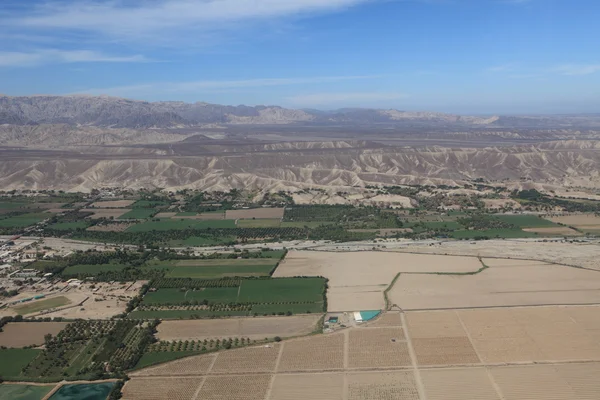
x=577, y=69
x=51, y=56
x=344, y=98
x=144, y=17
x=206, y=86
x=503, y=68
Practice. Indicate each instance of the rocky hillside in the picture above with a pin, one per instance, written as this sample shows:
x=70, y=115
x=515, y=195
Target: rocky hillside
x=332, y=166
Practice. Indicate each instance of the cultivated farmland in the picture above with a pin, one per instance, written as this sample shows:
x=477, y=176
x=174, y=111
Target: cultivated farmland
x=378, y=348
x=42, y=305
x=308, y=386
x=253, y=328
x=382, y=386
x=537, y=284
x=113, y=204
x=251, y=359
x=172, y=388
x=315, y=353
x=251, y=387
x=258, y=213
x=24, y=392
x=357, y=280
x=177, y=224
x=107, y=212
x=193, y=365
x=21, y=334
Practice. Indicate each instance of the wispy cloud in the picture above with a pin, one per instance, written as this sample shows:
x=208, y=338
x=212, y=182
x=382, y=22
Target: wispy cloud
x=52, y=56
x=319, y=99
x=140, y=18
x=577, y=69
x=208, y=86
x=502, y=68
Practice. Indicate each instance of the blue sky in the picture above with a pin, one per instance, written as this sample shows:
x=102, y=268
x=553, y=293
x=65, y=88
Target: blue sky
x=461, y=56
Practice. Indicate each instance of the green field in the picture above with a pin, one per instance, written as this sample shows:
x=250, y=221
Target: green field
x=492, y=233
x=259, y=223
x=68, y=226
x=92, y=269
x=91, y=391
x=221, y=271
x=312, y=308
x=174, y=224
x=13, y=205
x=186, y=214
x=139, y=213
x=175, y=296
x=12, y=361
x=41, y=305
x=24, y=392
x=526, y=221
x=310, y=224
x=282, y=290
x=194, y=241
x=149, y=204
x=184, y=314
x=21, y=221
x=153, y=358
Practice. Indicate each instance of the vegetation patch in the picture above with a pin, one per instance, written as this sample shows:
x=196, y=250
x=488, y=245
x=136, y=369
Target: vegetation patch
x=23, y=220
x=42, y=305
x=13, y=361
x=24, y=392
x=139, y=213
x=174, y=224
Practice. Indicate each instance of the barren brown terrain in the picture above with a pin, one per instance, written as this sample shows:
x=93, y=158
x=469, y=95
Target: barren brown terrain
x=357, y=279
x=253, y=328
x=21, y=334
x=465, y=347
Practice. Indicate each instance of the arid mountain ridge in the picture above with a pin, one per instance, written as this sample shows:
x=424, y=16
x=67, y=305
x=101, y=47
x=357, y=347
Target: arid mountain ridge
x=103, y=111
x=289, y=166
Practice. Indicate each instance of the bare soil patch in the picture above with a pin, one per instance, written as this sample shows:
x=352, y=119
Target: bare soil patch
x=107, y=212
x=251, y=359
x=444, y=351
x=194, y=365
x=387, y=319
x=534, y=333
x=175, y=388
x=577, y=254
x=251, y=387
x=357, y=279
x=205, y=216
x=325, y=352
x=21, y=334
x=382, y=386
x=542, y=284
x=458, y=384
x=118, y=227
x=577, y=220
x=532, y=382
x=165, y=215
x=113, y=204
x=561, y=230
x=257, y=213
x=377, y=348
x=253, y=328
x=434, y=324
x=308, y=386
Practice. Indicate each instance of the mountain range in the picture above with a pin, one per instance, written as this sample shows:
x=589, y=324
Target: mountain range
x=112, y=112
